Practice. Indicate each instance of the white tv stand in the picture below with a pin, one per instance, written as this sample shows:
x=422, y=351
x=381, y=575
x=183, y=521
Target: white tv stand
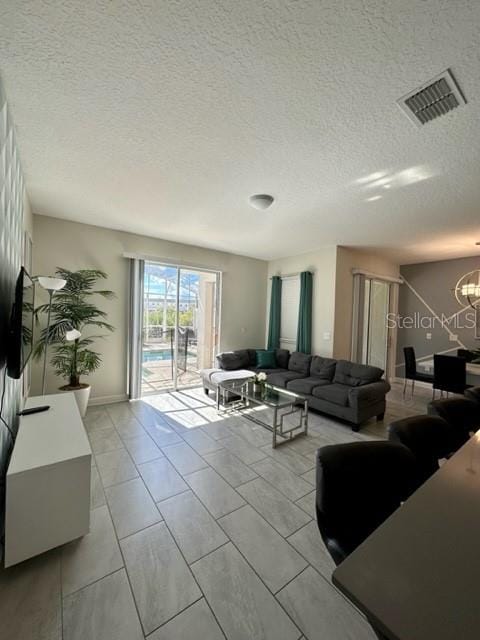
x=48, y=480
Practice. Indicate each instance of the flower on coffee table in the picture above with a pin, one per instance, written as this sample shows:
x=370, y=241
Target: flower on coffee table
x=260, y=378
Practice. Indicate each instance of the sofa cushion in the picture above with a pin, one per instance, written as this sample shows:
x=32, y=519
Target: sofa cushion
x=282, y=356
x=252, y=357
x=355, y=375
x=299, y=362
x=323, y=368
x=232, y=360
x=305, y=385
x=266, y=359
x=281, y=379
x=336, y=393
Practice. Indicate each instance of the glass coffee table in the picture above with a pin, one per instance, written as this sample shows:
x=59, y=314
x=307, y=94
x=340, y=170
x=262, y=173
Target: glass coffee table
x=283, y=404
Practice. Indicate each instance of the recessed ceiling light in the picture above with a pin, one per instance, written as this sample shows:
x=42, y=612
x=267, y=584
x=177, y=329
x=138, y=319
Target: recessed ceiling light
x=373, y=198
x=261, y=200
x=387, y=186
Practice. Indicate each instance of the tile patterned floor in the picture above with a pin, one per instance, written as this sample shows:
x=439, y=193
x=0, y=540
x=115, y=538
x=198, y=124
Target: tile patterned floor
x=199, y=529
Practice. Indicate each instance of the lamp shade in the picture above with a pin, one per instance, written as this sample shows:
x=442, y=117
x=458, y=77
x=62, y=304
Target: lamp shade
x=51, y=284
x=72, y=335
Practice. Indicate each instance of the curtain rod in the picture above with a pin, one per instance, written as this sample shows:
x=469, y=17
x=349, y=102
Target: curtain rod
x=289, y=275
x=376, y=276
x=169, y=262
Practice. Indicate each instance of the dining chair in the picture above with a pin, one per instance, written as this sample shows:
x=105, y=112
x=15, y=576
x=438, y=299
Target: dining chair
x=449, y=374
x=411, y=372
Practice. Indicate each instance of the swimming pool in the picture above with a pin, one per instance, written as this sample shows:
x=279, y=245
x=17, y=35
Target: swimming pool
x=162, y=354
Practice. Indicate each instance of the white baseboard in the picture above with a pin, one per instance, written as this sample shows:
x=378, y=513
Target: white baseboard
x=108, y=399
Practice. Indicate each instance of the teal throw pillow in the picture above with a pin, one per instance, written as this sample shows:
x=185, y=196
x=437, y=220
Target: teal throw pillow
x=266, y=360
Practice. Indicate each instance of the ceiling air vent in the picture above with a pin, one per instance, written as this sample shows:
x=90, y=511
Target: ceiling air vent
x=433, y=99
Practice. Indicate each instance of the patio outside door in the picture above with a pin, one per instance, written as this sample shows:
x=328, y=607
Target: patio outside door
x=178, y=327
x=375, y=328
x=373, y=339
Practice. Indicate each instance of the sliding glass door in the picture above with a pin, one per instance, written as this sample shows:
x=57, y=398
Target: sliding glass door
x=372, y=336
x=375, y=329
x=178, y=328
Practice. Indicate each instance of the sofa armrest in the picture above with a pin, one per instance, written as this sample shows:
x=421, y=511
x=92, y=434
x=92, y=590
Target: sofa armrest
x=368, y=393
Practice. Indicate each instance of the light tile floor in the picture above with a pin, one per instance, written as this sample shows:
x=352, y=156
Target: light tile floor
x=199, y=529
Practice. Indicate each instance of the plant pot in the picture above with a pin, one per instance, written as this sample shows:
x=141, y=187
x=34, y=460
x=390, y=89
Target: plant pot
x=82, y=395
x=259, y=387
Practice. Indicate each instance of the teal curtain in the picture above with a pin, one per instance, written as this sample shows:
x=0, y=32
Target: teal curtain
x=304, y=330
x=275, y=314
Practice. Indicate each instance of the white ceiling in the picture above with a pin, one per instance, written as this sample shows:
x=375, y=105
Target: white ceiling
x=162, y=118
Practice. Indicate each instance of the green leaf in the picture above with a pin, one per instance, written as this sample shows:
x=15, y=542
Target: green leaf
x=73, y=307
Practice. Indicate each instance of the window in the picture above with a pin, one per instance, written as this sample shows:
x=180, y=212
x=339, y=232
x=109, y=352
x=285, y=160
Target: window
x=289, y=311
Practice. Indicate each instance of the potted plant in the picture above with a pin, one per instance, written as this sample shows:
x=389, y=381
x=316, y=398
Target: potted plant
x=73, y=312
x=259, y=382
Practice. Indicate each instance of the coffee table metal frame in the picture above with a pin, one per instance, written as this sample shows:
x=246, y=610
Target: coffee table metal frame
x=273, y=398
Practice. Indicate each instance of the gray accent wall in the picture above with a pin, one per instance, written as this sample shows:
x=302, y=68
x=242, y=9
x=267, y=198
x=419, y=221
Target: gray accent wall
x=428, y=291
x=12, y=202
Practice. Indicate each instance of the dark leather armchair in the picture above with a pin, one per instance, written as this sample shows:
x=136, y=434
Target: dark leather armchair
x=359, y=485
x=429, y=438
x=449, y=374
x=473, y=393
x=462, y=415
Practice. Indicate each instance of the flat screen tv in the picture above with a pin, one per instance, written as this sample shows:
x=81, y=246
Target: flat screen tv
x=20, y=335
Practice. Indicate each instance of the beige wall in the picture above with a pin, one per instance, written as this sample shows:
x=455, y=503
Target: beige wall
x=348, y=259
x=332, y=292
x=76, y=246
x=323, y=265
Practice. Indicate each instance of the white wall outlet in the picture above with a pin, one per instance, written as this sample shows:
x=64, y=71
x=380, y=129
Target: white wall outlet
x=327, y=335
x=429, y=336
x=453, y=337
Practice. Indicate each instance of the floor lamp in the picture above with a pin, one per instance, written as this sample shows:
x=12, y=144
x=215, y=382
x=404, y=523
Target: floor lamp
x=51, y=285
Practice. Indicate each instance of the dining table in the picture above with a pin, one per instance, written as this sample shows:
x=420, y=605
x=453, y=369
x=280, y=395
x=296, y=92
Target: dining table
x=473, y=370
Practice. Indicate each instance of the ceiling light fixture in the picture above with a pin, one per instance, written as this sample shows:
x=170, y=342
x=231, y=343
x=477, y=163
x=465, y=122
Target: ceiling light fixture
x=373, y=198
x=467, y=289
x=261, y=201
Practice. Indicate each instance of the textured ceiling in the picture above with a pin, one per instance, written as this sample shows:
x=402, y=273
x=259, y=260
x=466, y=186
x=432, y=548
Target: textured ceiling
x=162, y=117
